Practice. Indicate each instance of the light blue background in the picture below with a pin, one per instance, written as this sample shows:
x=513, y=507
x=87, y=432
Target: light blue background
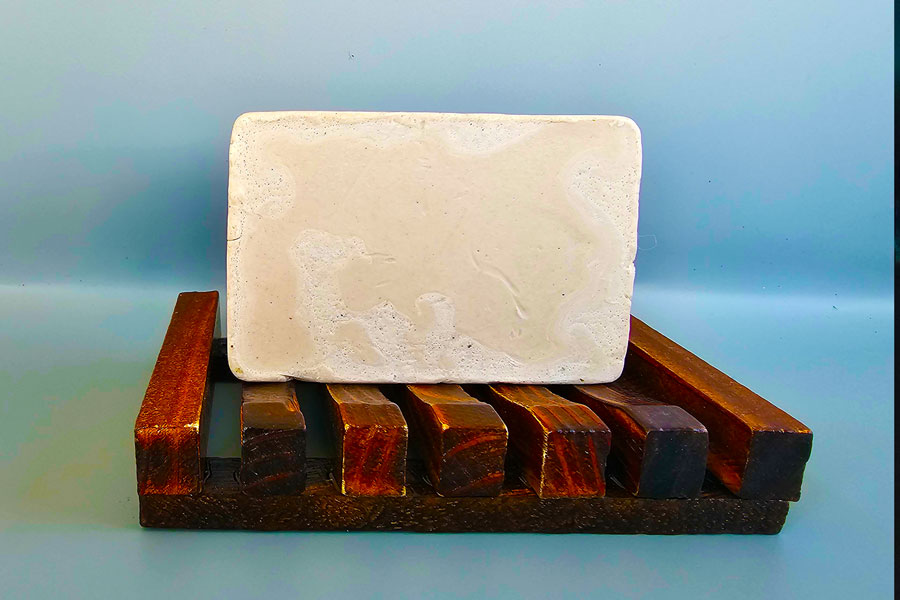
x=766, y=247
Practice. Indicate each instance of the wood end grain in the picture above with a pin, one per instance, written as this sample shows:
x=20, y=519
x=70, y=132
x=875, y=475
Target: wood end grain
x=756, y=449
x=273, y=440
x=371, y=437
x=464, y=440
x=658, y=450
x=561, y=446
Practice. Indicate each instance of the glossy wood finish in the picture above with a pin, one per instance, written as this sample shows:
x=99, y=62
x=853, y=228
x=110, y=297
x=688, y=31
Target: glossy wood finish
x=658, y=450
x=371, y=440
x=273, y=440
x=322, y=507
x=463, y=439
x=756, y=449
x=179, y=488
x=170, y=429
x=560, y=445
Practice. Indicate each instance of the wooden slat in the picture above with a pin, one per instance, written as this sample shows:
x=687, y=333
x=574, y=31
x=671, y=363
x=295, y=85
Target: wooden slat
x=222, y=505
x=463, y=439
x=169, y=447
x=658, y=450
x=169, y=433
x=273, y=440
x=371, y=437
x=560, y=445
x=756, y=449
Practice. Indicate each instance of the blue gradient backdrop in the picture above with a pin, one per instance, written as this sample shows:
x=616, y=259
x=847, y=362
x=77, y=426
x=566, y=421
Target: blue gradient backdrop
x=765, y=246
x=767, y=127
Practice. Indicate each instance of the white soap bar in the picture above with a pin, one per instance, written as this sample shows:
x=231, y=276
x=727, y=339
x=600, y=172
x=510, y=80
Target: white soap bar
x=430, y=247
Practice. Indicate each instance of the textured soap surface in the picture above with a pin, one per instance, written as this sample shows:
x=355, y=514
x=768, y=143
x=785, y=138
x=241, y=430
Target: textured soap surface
x=427, y=247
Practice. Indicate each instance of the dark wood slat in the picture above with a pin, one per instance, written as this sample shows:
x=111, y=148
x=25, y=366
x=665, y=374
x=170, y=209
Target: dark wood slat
x=463, y=439
x=170, y=430
x=371, y=437
x=756, y=449
x=659, y=450
x=321, y=507
x=169, y=443
x=273, y=440
x=560, y=445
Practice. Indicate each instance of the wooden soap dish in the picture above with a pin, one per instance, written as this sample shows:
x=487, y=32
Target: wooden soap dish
x=688, y=450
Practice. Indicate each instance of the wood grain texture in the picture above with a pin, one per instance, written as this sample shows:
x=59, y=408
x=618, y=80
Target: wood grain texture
x=371, y=440
x=273, y=440
x=169, y=433
x=658, y=450
x=561, y=446
x=756, y=449
x=180, y=488
x=463, y=439
x=321, y=507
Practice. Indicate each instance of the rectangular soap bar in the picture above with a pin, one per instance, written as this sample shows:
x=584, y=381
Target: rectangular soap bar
x=430, y=247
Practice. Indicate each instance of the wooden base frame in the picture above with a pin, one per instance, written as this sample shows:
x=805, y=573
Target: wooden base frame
x=742, y=493
x=222, y=505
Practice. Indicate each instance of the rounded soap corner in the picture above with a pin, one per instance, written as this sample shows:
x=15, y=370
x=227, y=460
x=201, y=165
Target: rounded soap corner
x=234, y=367
x=242, y=121
x=630, y=123
x=245, y=374
x=618, y=369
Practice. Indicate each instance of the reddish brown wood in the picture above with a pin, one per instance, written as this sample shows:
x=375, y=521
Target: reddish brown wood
x=756, y=449
x=561, y=446
x=371, y=437
x=464, y=440
x=169, y=447
x=170, y=427
x=273, y=440
x=658, y=450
